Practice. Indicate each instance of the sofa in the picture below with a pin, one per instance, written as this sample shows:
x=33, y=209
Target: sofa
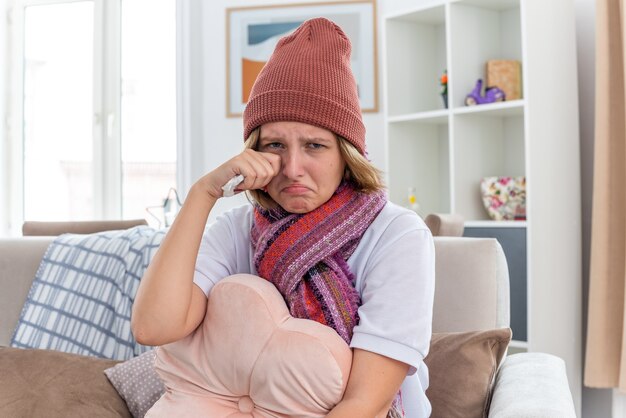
x=471, y=298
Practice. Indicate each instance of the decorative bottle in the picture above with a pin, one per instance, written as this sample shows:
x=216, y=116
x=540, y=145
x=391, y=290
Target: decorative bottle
x=412, y=199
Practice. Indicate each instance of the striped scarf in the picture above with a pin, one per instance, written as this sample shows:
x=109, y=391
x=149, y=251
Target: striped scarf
x=305, y=257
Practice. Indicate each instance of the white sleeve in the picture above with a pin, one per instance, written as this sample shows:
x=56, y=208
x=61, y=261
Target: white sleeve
x=217, y=255
x=395, y=318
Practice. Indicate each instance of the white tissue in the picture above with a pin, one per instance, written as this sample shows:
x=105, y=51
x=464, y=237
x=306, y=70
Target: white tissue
x=229, y=187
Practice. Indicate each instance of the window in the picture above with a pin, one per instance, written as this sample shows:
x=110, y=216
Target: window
x=93, y=108
x=58, y=98
x=148, y=104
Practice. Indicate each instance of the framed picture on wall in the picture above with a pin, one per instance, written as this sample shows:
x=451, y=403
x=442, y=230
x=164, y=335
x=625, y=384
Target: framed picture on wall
x=253, y=32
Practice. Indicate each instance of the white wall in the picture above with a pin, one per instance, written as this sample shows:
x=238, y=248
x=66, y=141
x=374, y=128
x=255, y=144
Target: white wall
x=218, y=138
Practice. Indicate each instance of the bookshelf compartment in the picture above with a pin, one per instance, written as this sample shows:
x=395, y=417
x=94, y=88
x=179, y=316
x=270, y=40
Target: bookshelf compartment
x=482, y=31
x=419, y=156
x=416, y=46
x=484, y=146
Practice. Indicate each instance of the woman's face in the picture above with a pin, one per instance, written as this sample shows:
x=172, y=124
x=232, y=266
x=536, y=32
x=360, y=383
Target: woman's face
x=311, y=164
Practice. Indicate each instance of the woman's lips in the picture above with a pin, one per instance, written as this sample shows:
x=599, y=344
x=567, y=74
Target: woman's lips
x=295, y=189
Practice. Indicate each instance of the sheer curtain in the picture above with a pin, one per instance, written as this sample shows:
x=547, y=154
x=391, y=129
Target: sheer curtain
x=605, y=363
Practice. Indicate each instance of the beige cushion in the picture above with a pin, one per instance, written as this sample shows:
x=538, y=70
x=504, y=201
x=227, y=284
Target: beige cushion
x=49, y=384
x=251, y=357
x=462, y=367
x=35, y=228
x=472, y=285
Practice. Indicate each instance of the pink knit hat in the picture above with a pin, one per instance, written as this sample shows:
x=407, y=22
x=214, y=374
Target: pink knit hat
x=308, y=79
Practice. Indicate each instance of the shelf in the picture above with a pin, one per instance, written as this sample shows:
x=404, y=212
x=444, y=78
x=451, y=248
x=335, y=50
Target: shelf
x=436, y=117
x=512, y=108
x=516, y=347
x=495, y=224
x=518, y=344
x=499, y=5
x=425, y=15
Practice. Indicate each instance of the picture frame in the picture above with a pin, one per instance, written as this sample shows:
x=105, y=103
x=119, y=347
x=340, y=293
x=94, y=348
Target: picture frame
x=253, y=32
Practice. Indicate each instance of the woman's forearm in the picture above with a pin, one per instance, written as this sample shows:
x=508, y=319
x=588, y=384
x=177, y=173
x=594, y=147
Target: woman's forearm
x=168, y=306
x=372, y=385
x=163, y=300
x=353, y=408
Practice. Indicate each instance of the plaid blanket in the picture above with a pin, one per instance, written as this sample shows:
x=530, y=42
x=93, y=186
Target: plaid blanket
x=81, y=298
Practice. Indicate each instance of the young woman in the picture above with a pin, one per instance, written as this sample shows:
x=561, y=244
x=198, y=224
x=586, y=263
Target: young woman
x=320, y=229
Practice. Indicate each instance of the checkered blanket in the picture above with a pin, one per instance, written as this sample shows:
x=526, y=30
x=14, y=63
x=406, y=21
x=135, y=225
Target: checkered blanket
x=81, y=298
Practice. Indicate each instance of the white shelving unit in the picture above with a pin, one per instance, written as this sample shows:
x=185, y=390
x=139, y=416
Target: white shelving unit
x=445, y=152
x=459, y=145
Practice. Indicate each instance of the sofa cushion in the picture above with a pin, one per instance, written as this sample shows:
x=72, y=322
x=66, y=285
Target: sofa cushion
x=462, y=368
x=50, y=384
x=80, y=301
x=137, y=383
x=472, y=290
x=251, y=357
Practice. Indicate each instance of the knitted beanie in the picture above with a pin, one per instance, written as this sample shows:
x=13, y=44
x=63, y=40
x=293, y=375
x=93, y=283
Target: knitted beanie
x=308, y=79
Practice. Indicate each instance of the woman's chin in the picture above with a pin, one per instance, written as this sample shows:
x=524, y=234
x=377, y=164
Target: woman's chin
x=297, y=205
x=297, y=209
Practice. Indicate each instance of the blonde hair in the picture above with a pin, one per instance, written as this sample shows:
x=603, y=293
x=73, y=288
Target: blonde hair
x=361, y=172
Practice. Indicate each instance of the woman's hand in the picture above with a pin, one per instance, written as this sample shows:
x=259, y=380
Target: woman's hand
x=257, y=168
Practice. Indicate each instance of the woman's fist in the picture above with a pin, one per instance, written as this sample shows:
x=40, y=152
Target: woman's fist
x=257, y=168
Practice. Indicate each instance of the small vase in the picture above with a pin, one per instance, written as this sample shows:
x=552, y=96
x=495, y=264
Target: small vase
x=444, y=96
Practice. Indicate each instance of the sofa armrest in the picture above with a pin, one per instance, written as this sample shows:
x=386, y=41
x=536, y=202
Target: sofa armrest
x=19, y=260
x=532, y=385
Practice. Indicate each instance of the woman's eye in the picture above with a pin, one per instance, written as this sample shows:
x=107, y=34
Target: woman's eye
x=273, y=145
x=315, y=145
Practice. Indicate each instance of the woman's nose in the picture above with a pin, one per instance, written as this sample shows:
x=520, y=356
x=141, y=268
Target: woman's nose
x=292, y=164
